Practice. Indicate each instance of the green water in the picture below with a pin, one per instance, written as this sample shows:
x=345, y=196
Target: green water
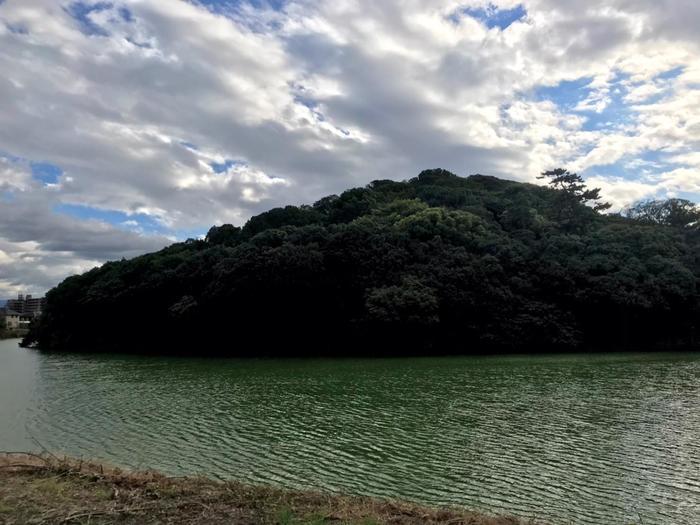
x=598, y=439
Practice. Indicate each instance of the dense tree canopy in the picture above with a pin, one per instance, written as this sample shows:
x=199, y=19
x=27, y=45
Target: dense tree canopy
x=435, y=264
x=679, y=213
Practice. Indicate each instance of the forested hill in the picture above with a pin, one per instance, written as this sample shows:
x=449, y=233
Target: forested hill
x=436, y=264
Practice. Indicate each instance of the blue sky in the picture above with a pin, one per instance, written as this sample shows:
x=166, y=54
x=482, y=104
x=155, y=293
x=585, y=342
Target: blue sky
x=81, y=13
x=134, y=221
x=224, y=5
x=131, y=124
x=492, y=16
x=46, y=172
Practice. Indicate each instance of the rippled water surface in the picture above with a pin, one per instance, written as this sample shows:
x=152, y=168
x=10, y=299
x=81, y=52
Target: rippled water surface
x=596, y=439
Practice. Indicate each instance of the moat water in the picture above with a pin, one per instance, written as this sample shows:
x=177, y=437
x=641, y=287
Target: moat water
x=569, y=439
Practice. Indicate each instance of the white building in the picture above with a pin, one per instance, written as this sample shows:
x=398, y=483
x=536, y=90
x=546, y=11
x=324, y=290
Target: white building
x=11, y=319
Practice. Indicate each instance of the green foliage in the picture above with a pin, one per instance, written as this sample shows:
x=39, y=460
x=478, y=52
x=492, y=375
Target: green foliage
x=410, y=302
x=225, y=234
x=352, y=204
x=572, y=186
x=676, y=213
x=279, y=217
x=571, y=194
x=438, y=263
x=455, y=226
x=285, y=516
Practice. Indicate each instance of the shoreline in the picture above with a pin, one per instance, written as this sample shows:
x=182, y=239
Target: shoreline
x=46, y=490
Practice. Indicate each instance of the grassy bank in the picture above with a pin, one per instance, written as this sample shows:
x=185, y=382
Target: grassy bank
x=44, y=490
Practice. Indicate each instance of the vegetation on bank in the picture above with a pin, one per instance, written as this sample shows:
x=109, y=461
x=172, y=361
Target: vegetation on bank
x=6, y=333
x=42, y=490
x=435, y=264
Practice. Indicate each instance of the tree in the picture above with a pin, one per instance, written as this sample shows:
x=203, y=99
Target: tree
x=438, y=263
x=411, y=302
x=677, y=213
x=352, y=204
x=573, y=186
x=572, y=196
x=279, y=217
x=225, y=234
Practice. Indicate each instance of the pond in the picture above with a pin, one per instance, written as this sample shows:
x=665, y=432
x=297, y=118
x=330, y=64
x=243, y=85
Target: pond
x=574, y=439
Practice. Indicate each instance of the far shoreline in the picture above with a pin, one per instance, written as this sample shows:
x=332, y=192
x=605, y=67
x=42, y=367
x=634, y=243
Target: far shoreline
x=367, y=353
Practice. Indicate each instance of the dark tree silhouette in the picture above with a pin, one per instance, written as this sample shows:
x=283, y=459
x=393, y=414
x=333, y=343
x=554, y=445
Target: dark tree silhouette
x=573, y=186
x=435, y=264
x=571, y=194
x=224, y=234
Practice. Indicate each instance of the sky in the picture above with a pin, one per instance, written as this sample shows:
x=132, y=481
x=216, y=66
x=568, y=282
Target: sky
x=126, y=125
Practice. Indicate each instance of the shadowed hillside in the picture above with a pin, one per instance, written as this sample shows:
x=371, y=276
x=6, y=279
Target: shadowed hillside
x=436, y=264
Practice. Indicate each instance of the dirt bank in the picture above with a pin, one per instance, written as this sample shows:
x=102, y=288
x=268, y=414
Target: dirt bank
x=45, y=490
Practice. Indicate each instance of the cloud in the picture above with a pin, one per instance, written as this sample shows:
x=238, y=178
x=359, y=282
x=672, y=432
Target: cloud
x=14, y=175
x=621, y=192
x=176, y=115
x=39, y=247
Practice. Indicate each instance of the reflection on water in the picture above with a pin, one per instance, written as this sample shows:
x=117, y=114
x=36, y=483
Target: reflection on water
x=572, y=439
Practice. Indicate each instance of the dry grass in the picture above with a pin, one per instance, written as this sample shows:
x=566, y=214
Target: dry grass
x=44, y=490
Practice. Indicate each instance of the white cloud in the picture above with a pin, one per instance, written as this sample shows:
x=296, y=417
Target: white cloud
x=38, y=247
x=622, y=192
x=323, y=96
x=14, y=175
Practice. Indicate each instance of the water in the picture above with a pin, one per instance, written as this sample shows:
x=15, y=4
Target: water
x=598, y=439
